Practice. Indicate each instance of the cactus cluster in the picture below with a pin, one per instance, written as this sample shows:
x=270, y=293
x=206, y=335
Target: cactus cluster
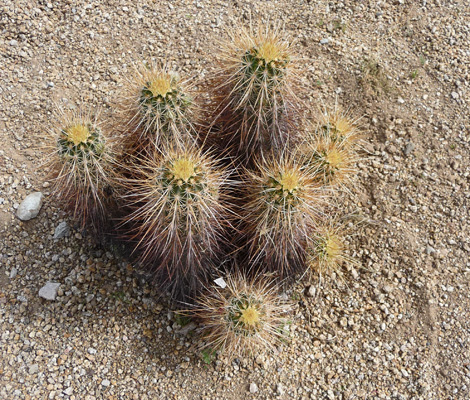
x=236, y=177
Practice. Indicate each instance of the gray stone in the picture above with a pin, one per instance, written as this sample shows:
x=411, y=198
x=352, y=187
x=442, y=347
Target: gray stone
x=187, y=328
x=33, y=369
x=455, y=95
x=49, y=291
x=62, y=230
x=30, y=206
x=430, y=250
x=324, y=41
x=388, y=289
x=354, y=273
x=409, y=148
x=13, y=273
x=105, y=382
x=22, y=298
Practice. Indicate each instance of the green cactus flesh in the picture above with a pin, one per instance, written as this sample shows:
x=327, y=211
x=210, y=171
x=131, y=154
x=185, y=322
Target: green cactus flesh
x=80, y=142
x=245, y=314
x=162, y=102
x=183, y=181
x=284, y=189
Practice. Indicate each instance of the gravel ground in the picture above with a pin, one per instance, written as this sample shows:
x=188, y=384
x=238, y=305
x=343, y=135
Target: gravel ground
x=398, y=327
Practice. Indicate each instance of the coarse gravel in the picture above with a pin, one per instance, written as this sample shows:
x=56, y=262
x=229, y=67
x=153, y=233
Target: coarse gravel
x=397, y=326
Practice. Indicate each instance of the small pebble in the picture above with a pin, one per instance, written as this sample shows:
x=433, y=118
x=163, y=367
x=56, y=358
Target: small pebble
x=311, y=291
x=62, y=230
x=49, y=291
x=253, y=387
x=30, y=206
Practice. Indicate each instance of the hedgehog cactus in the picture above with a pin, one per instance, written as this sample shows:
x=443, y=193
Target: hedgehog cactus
x=326, y=252
x=284, y=205
x=159, y=110
x=82, y=165
x=181, y=212
x=244, y=317
x=331, y=155
x=340, y=126
x=256, y=92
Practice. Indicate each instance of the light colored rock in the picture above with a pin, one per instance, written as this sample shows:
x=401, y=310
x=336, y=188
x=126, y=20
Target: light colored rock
x=409, y=148
x=33, y=369
x=253, y=387
x=61, y=230
x=30, y=206
x=49, y=291
x=311, y=291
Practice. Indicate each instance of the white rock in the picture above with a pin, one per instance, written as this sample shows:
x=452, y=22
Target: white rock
x=49, y=291
x=253, y=387
x=105, y=382
x=220, y=282
x=30, y=206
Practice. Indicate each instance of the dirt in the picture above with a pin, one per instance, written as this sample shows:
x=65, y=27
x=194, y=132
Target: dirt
x=396, y=328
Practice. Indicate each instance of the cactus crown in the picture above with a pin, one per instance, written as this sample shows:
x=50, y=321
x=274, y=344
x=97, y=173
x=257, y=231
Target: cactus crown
x=244, y=317
x=245, y=313
x=80, y=141
x=340, y=126
x=337, y=129
x=327, y=252
x=265, y=61
x=284, y=186
x=329, y=247
x=163, y=101
x=184, y=179
x=332, y=159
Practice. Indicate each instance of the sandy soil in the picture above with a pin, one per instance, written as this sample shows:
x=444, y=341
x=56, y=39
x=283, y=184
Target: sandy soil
x=398, y=327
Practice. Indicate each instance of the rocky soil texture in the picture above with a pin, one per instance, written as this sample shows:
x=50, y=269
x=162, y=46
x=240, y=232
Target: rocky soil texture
x=77, y=322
